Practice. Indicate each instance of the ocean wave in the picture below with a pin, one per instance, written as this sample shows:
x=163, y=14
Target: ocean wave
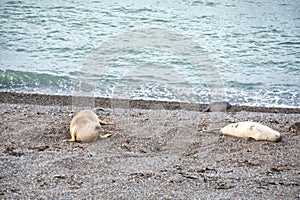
x=19, y=81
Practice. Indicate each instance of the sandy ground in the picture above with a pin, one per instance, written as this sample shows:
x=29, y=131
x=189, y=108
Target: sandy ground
x=152, y=154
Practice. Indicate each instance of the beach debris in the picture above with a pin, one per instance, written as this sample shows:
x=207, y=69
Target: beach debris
x=40, y=148
x=11, y=150
x=86, y=127
x=295, y=128
x=60, y=176
x=221, y=106
x=224, y=185
x=251, y=130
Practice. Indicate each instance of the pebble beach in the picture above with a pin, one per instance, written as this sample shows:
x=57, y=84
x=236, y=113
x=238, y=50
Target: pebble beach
x=158, y=150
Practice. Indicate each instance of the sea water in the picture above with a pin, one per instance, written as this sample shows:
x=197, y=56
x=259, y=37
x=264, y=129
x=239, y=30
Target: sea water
x=244, y=52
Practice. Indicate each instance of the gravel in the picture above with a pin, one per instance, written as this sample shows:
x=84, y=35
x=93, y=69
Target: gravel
x=153, y=153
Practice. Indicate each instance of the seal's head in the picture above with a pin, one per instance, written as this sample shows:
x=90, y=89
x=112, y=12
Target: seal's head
x=276, y=138
x=295, y=128
x=265, y=133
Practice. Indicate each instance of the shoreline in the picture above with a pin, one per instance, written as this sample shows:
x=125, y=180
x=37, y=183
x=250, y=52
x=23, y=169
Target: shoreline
x=61, y=100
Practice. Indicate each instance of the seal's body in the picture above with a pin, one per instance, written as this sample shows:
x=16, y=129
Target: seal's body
x=221, y=106
x=295, y=128
x=85, y=127
x=251, y=130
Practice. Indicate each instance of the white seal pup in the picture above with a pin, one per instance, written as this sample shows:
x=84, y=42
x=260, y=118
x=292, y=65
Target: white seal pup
x=251, y=130
x=86, y=127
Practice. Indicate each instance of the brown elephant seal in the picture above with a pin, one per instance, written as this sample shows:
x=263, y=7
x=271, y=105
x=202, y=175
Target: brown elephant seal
x=221, y=106
x=86, y=127
x=251, y=130
x=295, y=128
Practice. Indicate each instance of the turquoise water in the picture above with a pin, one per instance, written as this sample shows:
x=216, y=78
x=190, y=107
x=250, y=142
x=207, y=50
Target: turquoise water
x=246, y=52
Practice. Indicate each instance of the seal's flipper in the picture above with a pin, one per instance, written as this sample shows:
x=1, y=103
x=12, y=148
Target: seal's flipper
x=206, y=109
x=250, y=139
x=105, y=136
x=73, y=139
x=70, y=140
x=258, y=132
x=105, y=123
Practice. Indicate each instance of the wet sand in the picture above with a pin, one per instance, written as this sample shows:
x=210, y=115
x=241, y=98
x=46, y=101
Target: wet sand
x=158, y=150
